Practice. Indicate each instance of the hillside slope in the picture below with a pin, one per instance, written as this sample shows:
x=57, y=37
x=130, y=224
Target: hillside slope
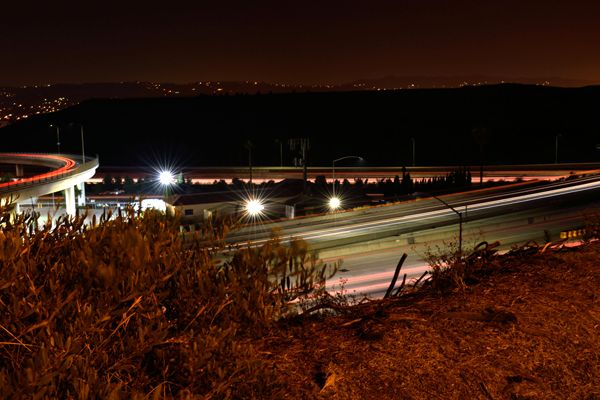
x=519, y=124
x=530, y=330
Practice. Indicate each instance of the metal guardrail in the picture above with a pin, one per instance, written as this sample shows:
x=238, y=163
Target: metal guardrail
x=80, y=168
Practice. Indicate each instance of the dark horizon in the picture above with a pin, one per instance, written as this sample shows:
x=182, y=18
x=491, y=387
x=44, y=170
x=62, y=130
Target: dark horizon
x=423, y=82
x=522, y=123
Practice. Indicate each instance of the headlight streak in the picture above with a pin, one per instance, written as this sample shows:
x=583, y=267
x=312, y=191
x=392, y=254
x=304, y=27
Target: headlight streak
x=476, y=205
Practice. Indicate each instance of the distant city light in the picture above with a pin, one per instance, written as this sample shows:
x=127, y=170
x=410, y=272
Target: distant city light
x=334, y=203
x=166, y=178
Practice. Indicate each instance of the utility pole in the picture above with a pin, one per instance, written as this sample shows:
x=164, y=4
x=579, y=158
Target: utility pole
x=305, y=172
x=302, y=144
x=280, y=151
x=249, y=146
x=556, y=148
x=82, y=143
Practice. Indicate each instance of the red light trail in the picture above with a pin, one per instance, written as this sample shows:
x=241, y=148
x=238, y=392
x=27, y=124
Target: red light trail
x=68, y=165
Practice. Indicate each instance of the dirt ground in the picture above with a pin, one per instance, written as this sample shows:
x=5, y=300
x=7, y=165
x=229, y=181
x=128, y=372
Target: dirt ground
x=529, y=329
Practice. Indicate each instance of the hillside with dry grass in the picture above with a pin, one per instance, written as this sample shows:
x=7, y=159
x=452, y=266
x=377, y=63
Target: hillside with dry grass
x=129, y=309
x=527, y=328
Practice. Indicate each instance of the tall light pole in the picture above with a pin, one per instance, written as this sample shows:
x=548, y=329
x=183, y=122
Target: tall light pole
x=333, y=168
x=556, y=148
x=57, y=136
x=249, y=147
x=82, y=139
x=82, y=143
x=414, y=160
x=280, y=151
x=460, y=221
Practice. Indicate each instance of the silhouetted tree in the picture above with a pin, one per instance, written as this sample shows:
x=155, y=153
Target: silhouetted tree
x=129, y=185
x=321, y=182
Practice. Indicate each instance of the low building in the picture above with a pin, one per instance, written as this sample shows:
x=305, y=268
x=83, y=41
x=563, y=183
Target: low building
x=201, y=206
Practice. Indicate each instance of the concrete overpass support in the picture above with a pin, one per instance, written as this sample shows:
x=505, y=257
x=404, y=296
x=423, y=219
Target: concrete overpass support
x=81, y=197
x=70, y=200
x=19, y=171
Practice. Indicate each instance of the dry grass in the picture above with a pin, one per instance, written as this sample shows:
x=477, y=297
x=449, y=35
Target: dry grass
x=528, y=330
x=126, y=309
x=129, y=310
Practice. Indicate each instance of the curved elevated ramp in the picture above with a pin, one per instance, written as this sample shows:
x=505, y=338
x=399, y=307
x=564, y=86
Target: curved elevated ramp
x=67, y=171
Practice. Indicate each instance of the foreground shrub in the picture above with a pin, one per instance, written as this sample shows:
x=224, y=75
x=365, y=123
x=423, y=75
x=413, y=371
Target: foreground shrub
x=127, y=308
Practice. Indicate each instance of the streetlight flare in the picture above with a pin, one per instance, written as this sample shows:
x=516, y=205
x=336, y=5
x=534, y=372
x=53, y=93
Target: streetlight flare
x=254, y=207
x=334, y=203
x=166, y=178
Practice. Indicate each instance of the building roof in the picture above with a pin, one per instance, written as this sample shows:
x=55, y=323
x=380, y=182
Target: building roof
x=281, y=190
x=202, y=198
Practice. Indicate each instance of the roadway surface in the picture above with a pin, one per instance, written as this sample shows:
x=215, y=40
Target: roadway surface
x=370, y=272
x=65, y=171
x=369, y=242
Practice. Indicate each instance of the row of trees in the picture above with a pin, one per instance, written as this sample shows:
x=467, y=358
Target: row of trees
x=404, y=185
x=399, y=185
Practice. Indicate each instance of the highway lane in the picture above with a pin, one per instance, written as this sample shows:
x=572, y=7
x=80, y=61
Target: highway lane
x=370, y=272
x=370, y=242
x=371, y=223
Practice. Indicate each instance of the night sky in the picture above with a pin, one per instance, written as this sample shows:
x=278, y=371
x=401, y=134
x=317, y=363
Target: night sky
x=296, y=42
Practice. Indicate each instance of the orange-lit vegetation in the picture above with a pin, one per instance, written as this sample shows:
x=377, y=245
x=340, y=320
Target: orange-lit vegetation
x=127, y=309
x=518, y=326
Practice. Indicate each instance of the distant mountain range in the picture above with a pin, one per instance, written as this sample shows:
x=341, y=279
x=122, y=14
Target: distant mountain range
x=18, y=103
x=425, y=82
x=496, y=124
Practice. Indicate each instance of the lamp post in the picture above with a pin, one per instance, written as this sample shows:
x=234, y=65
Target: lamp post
x=57, y=136
x=413, y=151
x=280, y=151
x=334, y=200
x=166, y=179
x=460, y=221
x=82, y=144
x=82, y=139
x=249, y=145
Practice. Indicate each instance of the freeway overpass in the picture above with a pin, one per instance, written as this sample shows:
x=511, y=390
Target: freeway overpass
x=61, y=173
x=207, y=175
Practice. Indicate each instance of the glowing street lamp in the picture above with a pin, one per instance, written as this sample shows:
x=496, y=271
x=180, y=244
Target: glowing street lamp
x=254, y=207
x=166, y=178
x=333, y=175
x=334, y=203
